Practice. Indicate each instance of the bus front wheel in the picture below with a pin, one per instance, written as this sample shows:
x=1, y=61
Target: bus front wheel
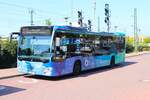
x=77, y=68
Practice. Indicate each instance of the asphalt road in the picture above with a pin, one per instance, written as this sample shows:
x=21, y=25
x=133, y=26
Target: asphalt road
x=128, y=81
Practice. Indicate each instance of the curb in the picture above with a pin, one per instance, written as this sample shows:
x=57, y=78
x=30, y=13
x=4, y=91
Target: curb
x=137, y=54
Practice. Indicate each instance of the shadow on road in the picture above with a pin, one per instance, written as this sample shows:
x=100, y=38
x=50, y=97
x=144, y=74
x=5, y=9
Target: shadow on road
x=5, y=90
x=106, y=68
x=84, y=73
x=12, y=76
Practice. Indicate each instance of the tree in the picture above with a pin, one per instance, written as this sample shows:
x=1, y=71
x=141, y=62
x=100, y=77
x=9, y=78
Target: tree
x=8, y=54
x=48, y=22
x=129, y=40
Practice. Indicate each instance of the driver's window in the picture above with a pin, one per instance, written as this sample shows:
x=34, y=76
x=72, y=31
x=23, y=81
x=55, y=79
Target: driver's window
x=59, y=48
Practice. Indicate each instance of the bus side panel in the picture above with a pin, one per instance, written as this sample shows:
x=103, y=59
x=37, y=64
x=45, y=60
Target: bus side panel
x=92, y=62
x=88, y=62
x=119, y=58
x=102, y=61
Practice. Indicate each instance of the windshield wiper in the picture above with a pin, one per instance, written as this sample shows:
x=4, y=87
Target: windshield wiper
x=33, y=59
x=25, y=58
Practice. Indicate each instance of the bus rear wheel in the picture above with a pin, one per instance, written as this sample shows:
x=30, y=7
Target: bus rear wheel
x=77, y=68
x=112, y=62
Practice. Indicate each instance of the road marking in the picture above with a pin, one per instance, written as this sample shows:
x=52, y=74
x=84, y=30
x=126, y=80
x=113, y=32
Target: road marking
x=29, y=81
x=146, y=80
x=2, y=88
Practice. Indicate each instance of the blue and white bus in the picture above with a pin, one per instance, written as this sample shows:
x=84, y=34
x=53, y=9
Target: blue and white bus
x=61, y=50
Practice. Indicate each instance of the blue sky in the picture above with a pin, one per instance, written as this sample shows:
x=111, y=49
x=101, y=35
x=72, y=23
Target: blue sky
x=15, y=13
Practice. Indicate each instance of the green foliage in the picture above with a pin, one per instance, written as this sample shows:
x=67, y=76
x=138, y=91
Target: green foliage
x=8, y=54
x=130, y=40
x=143, y=47
x=129, y=48
x=48, y=22
x=147, y=40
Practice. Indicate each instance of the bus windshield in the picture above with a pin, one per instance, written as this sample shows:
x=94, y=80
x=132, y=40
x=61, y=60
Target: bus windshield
x=35, y=48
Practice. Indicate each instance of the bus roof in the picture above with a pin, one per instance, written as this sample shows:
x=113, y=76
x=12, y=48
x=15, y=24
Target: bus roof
x=78, y=30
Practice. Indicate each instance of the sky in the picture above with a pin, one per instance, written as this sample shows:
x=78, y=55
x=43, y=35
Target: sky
x=16, y=13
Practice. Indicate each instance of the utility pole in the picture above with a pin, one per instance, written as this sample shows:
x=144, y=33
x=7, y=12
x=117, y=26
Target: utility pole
x=71, y=12
x=135, y=31
x=98, y=29
x=31, y=17
x=94, y=16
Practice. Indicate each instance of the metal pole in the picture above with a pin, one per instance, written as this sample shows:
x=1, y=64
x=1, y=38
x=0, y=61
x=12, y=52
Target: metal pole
x=94, y=17
x=31, y=16
x=135, y=31
x=71, y=11
x=98, y=24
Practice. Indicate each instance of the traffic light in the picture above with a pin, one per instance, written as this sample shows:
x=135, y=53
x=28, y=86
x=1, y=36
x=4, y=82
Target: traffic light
x=80, y=18
x=107, y=13
x=107, y=16
x=79, y=14
x=107, y=9
x=106, y=19
x=89, y=25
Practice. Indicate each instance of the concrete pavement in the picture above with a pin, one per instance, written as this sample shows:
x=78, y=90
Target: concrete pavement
x=137, y=54
x=9, y=73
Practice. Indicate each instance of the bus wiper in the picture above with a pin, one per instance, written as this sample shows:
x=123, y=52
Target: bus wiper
x=40, y=60
x=45, y=61
x=34, y=59
x=25, y=58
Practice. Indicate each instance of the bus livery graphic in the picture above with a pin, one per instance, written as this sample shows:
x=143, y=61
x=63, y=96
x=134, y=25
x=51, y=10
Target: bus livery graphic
x=60, y=50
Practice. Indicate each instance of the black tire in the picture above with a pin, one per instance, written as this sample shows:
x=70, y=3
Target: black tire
x=112, y=62
x=77, y=68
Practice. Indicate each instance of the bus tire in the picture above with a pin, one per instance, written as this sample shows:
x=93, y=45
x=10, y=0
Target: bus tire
x=77, y=68
x=112, y=62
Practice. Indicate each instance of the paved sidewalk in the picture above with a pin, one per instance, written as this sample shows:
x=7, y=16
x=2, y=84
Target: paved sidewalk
x=9, y=73
x=137, y=54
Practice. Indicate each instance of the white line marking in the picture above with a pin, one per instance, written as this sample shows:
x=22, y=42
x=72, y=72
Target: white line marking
x=146, y=80
x=29, y=81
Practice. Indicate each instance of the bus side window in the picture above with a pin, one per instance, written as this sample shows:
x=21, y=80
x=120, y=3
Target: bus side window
x=71, y=48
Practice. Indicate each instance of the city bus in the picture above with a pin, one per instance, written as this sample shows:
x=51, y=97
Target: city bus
x=61, y=50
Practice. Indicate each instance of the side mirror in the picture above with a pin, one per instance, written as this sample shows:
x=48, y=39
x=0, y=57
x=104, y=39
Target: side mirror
x=12, y=35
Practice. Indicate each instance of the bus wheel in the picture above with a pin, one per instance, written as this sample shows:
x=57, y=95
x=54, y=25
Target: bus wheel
x=77, y=68
x=112, y=62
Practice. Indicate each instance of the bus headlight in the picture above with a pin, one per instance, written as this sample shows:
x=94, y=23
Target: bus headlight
x=48, y=71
